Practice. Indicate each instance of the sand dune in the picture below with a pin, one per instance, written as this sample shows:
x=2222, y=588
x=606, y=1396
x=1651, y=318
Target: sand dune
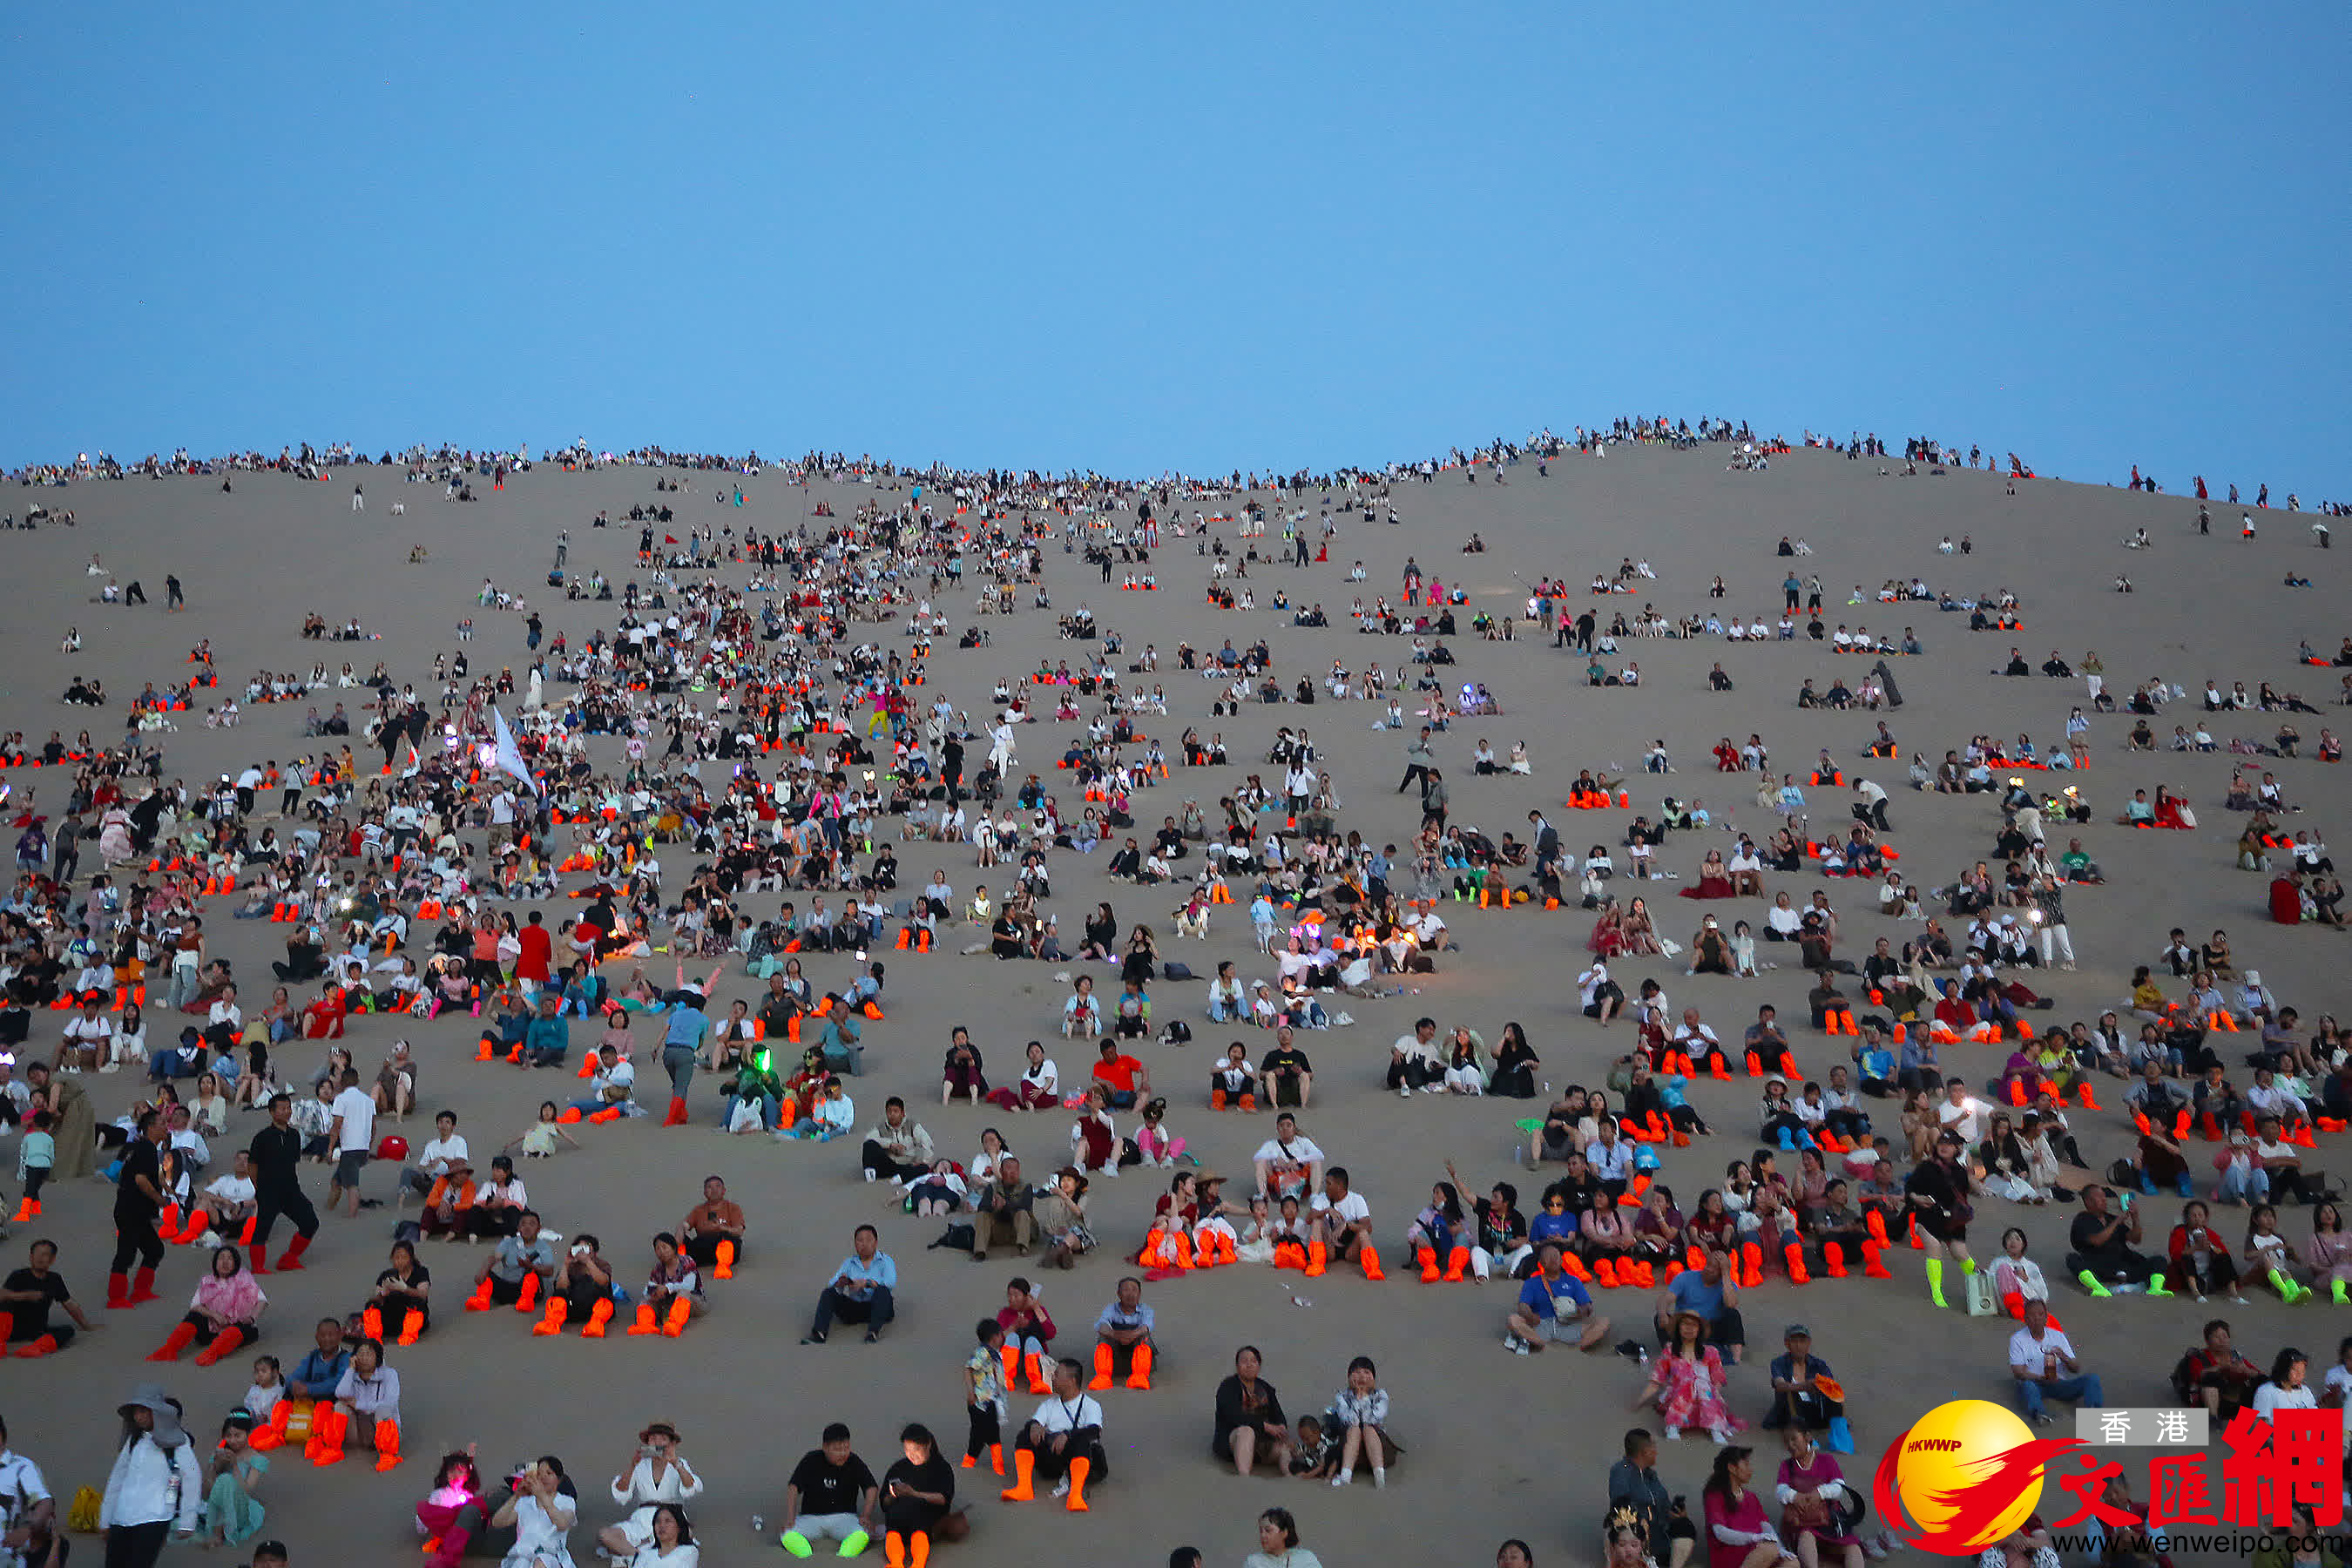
x=1499, y=1446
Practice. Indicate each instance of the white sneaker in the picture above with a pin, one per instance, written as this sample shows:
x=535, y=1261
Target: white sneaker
x=869, y=1175
x=1404, y=1092
x=1516, y=1345
x=1343, y=1478
x=1380, y=1478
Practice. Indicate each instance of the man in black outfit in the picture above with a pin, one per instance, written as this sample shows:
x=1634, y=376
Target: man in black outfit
x=276, y=1154
x=138, y=1199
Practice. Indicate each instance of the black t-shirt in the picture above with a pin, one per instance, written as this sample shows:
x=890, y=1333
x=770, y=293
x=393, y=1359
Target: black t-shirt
x=414, y=1285
x=277, y=1153
x=2079, y=1233
x=934, y=1475
x=1285, y=1059
x=139, y=1159
x=828, y=1488
x=33, y=1321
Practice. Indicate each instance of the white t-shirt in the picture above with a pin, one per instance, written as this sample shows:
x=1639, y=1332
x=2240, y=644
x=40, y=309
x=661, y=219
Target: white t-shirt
x=1301, y=1151
x=2026, y=1352
x=356, y=1106
x=232, y=1188
x=441, y=1153
x=1350, y=1208
x=83, y=1030
x=2270, y=1396
x=21, y=1486
x=1055, y=1416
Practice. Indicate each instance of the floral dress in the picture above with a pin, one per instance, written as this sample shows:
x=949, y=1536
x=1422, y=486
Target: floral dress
x=1692, y=1395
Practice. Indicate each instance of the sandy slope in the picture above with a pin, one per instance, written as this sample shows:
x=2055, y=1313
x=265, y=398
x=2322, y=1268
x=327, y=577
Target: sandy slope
x=1499, y=1445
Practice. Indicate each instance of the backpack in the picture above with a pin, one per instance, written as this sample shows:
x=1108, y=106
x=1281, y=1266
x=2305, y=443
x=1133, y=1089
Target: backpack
x=1174, y=971
x=1177, y=1033
x=959, y=1235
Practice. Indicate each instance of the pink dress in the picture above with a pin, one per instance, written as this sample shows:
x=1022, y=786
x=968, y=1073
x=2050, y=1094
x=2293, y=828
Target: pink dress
x=1693, y=1394
x=1746, y=1517
x=1813, y=1477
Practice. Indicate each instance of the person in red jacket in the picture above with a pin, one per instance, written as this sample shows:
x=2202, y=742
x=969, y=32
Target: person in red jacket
x=531, y=965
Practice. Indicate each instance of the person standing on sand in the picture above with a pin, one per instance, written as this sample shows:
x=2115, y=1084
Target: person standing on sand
x=172, y=598
x=359, y=498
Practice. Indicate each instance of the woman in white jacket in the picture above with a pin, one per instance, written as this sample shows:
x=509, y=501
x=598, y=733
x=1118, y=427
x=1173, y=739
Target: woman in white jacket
x=156, y=1488
x=657, y=1473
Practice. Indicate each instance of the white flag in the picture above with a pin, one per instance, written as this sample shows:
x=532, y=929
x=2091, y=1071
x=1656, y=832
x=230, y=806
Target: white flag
x=510, y=755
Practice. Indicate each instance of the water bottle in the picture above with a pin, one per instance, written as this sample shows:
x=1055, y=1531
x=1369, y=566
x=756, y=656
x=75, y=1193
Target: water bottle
x=760, y=1525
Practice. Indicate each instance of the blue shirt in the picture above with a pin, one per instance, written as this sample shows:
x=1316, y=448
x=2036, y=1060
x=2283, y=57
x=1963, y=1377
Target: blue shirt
x=321, y=1372
x=687, y=1027
x=1542, y=1297
x=1550, y=1226
x=1879, y=1063
x=1692, y=1293
x=864, y=1276
x=1115, y=1317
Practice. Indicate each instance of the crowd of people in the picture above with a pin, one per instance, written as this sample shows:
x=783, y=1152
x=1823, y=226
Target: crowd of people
x=435, y=888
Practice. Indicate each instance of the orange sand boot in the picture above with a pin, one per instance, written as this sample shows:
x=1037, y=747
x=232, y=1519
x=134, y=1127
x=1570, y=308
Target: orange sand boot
x=1427, y=1257
x=1317, y=1258
x=551, y=1322
x=725, y=1266
x=646, y=1323
x=372, y=1323
x=387, y=1445
x=529, y=1299
x=1035, y=1364
x=272, y=1433
x=1793, y=1256
x=1751, y=1257
x=1833, y=1260
x=1102, y=1378
x=1368, y=1255
x=598, y=1316
x=479, y=1301
x=1138, y=1373
x=1455, y=1262
x=681, y=1307
x=1023, y=1488
x=329, y=1426
x=183, y=1335
x=1606, y=1272
x=1079, y=1470
x=1873, y=1261
x=225, y=1342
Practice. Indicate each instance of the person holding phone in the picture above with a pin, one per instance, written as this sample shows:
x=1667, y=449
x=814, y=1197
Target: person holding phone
x=655, y=1474
x=917, y=1493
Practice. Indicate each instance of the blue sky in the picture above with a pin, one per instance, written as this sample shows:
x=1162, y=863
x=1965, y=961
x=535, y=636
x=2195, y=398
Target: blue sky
x=1195, y=236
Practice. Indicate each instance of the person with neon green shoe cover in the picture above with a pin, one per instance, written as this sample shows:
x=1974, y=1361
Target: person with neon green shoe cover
x=2099, y=1245
x=831, y=1497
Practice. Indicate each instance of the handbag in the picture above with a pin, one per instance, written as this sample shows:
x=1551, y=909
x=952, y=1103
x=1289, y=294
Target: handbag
x=1807, y=1510
x=1980, y=1298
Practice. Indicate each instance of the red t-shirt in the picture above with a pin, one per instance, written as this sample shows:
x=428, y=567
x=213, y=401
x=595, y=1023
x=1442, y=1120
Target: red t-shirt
x=1118, y=1072
x=538, y=947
